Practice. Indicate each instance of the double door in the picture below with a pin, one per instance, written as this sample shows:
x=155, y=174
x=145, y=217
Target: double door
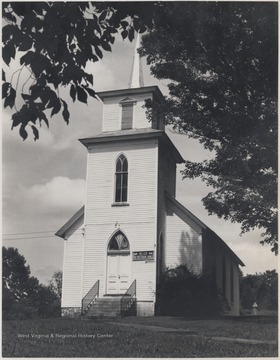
x=118, y=273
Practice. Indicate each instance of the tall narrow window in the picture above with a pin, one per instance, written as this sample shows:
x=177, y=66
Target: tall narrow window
x=121, y=179
x=127, y=105
x=224, y=281
x=231, y=284
x=127, y=115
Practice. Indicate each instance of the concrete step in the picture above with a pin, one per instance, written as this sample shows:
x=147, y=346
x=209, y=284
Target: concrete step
x=106, y=306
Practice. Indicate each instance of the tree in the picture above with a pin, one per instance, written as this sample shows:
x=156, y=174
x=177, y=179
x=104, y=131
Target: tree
x=15, y=273
x=22, y=295
x=221, y=59
x=55, y=40
x=261, y=288
x=56, y=283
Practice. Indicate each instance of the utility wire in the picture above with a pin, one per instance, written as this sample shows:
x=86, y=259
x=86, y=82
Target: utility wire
x=29, y=238
x=37, y=232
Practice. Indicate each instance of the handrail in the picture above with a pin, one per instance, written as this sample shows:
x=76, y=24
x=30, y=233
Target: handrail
x=90, y=296
x=128, y=299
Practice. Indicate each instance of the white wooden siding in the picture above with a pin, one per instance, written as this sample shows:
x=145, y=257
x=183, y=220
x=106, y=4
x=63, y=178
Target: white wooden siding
x=112, y=112
x=183, y=244
x=137, y=220
x=72, y=269
x=140, y=120
x=166, y=182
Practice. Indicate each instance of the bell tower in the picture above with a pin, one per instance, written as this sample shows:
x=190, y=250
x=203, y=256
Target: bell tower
x=124, y=109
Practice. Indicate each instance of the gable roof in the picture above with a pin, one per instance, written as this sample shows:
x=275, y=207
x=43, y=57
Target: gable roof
x=78, y=215
x=204, y=227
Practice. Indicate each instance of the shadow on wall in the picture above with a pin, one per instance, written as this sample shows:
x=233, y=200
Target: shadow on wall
x=190, y=250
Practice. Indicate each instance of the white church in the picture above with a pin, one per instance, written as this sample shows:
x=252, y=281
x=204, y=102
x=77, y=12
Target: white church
x=132, y=227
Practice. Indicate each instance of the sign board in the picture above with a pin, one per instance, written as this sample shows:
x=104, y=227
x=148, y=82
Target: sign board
x=142, y=255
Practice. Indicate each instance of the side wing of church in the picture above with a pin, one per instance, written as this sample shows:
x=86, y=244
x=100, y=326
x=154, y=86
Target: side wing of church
x=132, y=227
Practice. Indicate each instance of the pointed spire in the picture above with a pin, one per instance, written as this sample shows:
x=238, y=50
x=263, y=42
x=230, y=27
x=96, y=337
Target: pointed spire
x=136, y=76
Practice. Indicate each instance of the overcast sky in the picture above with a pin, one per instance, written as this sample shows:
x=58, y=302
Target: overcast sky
x=44, y=181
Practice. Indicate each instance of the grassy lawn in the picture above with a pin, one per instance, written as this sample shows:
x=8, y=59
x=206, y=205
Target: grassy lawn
x=258, y=327
x=98, y=338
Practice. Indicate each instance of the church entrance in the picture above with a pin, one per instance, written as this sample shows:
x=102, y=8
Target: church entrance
x=118, y=265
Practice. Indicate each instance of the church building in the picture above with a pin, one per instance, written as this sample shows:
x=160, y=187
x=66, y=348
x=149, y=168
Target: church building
x=132, y=227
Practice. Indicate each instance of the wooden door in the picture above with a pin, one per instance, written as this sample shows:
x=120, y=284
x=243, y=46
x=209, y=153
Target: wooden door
x=118, y=273
x=124, y=273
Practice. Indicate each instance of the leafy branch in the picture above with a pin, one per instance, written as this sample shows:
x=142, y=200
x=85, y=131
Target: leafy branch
x=57, y=40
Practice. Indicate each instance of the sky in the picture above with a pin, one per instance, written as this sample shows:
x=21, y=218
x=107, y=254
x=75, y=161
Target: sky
x=43, y=182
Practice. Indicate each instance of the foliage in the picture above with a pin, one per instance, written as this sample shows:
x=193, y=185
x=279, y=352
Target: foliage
x=54, y=41
x=22, y=295
x=221, y=60
x=183, y=293
x=15, y=273
x=56, y=283
x=261, y=288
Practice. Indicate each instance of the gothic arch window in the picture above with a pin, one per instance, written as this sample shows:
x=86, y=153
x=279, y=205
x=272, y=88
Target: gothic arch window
x=121, y=179
x=118, y=243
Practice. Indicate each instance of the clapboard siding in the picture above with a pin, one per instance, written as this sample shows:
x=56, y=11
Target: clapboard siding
x=184, y=245
x=142, y=173
x=166, y=182
x=139, y=118
x=137, y=220
x=112, y=113
x=145, y=284
x=73, y=269
x=167, y=172
x=95, y=258
x=111, y=116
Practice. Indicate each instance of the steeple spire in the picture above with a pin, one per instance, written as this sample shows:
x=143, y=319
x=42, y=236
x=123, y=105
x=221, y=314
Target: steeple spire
x=136, y=77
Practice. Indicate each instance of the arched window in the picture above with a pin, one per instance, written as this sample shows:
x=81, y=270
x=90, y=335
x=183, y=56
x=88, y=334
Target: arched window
x=121, y=179
x=118, y=242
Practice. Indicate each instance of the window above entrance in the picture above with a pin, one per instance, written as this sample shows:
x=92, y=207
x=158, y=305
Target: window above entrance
x=118, y=243
x=121, y=178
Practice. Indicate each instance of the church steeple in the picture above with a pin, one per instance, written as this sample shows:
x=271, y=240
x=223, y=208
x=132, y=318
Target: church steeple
x=136, y=77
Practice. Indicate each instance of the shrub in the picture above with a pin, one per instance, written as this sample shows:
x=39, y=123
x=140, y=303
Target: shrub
x=181, y=292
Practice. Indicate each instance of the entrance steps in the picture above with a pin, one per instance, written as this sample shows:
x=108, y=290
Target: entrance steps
x=108, y=306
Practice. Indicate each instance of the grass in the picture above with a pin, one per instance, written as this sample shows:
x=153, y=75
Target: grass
x=121, y=341
x=249, y=327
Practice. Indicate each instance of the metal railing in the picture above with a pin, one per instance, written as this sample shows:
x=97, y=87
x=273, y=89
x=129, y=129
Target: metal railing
x=90, y=297
x=128, y=301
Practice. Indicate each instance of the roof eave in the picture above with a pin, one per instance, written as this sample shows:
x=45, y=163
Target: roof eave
x=140, y=90
x=62, y=231
x=129, y=137
x=204, y=227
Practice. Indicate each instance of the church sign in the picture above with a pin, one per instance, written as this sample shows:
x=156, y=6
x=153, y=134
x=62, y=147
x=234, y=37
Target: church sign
x=143, y=255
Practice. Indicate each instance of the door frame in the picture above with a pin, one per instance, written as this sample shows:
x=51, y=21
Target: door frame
x=119, y=252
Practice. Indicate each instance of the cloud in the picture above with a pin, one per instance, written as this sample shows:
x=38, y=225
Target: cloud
x=60, y=193
x=103, y=76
